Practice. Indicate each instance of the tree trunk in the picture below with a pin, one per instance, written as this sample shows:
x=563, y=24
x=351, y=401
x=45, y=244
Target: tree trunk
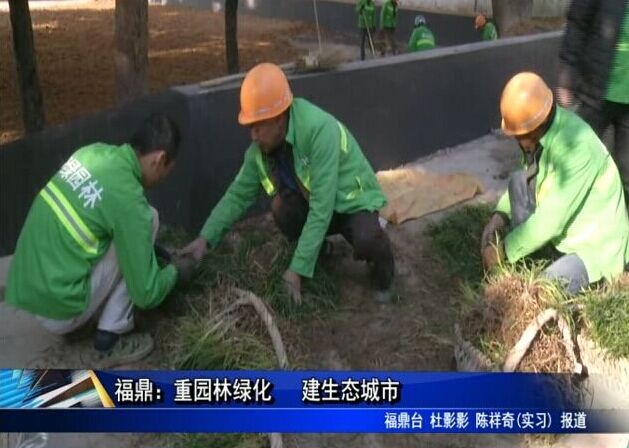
x=131, y=52
x=25, y=60
x=510, y=13
x=231, y=36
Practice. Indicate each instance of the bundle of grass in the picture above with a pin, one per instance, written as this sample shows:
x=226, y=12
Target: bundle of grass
x=231, y=339
x=523, y=322
x=255, y=259
x=227, y=318
x=511, y=320
x=221, y=335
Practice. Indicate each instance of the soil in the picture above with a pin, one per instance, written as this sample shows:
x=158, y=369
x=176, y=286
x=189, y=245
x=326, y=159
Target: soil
x=74, y=48
x=413, y=332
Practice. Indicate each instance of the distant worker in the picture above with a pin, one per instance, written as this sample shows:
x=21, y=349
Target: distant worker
x=594, y=68
x=388, y=23
x=486, y=27
x=568, y=192
x=320, y=183
x=86, y=248
x=366, y=10
x=421, y=37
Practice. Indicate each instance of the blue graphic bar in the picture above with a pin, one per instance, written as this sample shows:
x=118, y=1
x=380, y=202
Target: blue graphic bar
x=228, y=420
x=361, y=389
x=297, y=401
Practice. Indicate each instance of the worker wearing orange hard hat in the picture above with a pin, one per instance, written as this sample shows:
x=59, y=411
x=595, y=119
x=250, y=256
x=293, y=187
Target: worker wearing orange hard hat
x=567, y=193
x=486, y=27
x=320, y=182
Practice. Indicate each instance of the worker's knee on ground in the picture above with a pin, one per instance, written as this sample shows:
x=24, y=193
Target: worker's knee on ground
x=287, y=216
x=276, y=207
x=279, y=213
x=369, y=243
x=569, y=270
x=155, y=221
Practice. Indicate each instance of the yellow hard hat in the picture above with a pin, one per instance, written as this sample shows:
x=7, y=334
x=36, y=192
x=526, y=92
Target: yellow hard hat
x=525, y=104
x=264, y=94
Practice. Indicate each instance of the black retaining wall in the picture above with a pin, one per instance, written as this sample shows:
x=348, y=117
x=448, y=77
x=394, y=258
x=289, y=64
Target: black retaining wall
x=398, y=108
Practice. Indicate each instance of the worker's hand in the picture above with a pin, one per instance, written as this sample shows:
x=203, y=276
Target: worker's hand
x=292, y=281
x=496, y=224
x=185, y=265
x=493, y=254
x=197, y=249
x=565, y=97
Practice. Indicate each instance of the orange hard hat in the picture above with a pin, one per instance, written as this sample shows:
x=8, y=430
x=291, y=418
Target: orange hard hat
x=525, y=104
x=264, y=94
x=480, y=20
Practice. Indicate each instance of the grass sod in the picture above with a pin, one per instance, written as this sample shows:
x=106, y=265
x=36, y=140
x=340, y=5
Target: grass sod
x=251, y=259
x=607, y=318
x=256, y=262
x=456, y=241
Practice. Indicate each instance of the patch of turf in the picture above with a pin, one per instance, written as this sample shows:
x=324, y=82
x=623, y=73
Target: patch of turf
x=456, y=241
x=200, y=347
x=257, y=263
x=607, y=314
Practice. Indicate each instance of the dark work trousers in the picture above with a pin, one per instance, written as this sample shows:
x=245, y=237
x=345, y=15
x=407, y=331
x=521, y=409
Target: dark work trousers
x=389, y=43
x=364, y=40
x=568, y=269
x=616, y=115
x=361, y=230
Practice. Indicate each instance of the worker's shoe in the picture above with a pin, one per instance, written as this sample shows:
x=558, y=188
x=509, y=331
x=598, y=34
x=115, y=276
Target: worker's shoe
x=105, y=340
x=111, y=350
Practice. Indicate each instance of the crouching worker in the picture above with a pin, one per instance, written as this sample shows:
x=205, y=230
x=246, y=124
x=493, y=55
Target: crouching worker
x=86, y=248
x=568, y=192
x=319, y=179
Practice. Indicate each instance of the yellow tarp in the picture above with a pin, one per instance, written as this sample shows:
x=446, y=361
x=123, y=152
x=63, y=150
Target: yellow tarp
x=412, y=193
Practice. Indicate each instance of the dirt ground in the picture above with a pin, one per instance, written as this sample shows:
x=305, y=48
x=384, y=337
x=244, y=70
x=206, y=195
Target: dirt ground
x=74, y=42
x=74, y=46
x=414, y=333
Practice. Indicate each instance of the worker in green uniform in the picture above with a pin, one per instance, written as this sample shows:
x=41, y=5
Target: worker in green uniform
x=320, y=182
x=486, y=27
x=86, y=248
x=568, y=192
x=366, y=10
x=388, y=23
x=421, y=37
x=594, y=69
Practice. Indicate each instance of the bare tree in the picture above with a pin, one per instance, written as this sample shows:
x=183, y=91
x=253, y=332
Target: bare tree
x=131, y=51
x=231, y=36
x=510, y=13
x=26, y=62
